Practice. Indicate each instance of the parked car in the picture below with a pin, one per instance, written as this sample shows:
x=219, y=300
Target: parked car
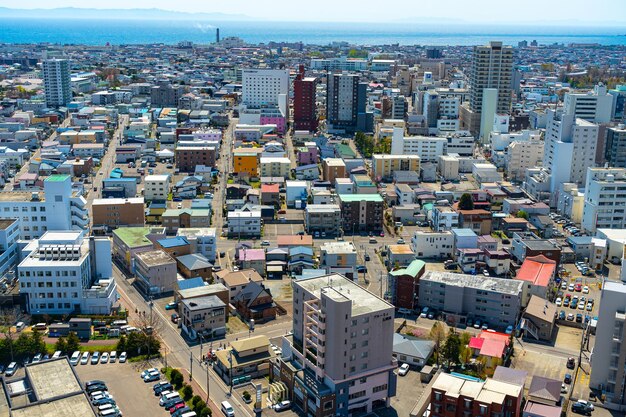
x=171, y=306
x=567, y=379
x=283, y=405
x=580, y=408
x=84, y=358
x=424, y=312
x=95, y=358
x=11, y=369
x=571, y=363
x=585, y=290
x=403, y=369
x=122, y=357
x=404, y=311
x=265, y=243
x=175, y=318
x=104, y=358
x=559, y=302
x=148, y=372
x=562, y=315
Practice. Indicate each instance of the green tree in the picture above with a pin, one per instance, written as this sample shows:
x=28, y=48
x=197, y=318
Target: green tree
x=187, y=392
x=73, y=343
x=121, y=344
x=37, y=343
x=452, y=348
x=465, y=355
x=61, y=345
x=466, y=202
x=205, y=412
x=195, y=400
x=522, y=214
x=438, y=336
x=177, y=379
x=199, y=406
x=465, y=338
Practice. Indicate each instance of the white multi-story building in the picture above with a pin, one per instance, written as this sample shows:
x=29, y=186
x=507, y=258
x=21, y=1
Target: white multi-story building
x=244, y=223
x=605, y=199
x=203, y=240
x=444, y=218
x=64, y=272
x=272, y=166
x=433, y=245
x=57, y=82
x=156, y=187
x=9, y=235
x=265, y=87
x=339, y=64
x=608, y=359
x=428, y=148
x=592, y=106
x=339, y=257
x=343, y=341
x=57, y=208
x=523, y=155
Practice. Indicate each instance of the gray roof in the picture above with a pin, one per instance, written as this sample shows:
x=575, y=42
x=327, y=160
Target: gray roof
x=510, y=375
x=415, y=348
x=501, y=285
x=545, y=388
x=194, y=261
x=203, y=303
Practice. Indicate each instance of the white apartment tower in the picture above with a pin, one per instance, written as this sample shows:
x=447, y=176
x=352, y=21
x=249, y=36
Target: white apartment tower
x=594, y=106
x=605, y=199
x=57, y=82
x=265, y=88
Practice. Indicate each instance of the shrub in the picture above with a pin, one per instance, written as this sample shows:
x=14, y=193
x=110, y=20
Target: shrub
x=187, y=392
x=199, y=406
x=195, y=400
x=246, y=395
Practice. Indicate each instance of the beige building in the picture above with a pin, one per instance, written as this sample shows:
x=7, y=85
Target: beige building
x=115, y=212
x=237, y=281
x=523, y=155
x=203, y=316
x=385, y=165
x=333, y=168
x=157, y=187
x=275, y=167
x=156, y=272
x=323, y=218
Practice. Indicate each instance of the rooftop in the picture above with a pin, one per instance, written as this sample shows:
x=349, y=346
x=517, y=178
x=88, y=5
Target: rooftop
x=133, y=236
x=413, y=269
x=339, y=288
x=53, y=378
x=194, y=261
x=70, y=406
x=58, y=178
x=173, y=242
x=401, y=249
x=154, y=258
x=236, y=278
x=203, y=303
x=338, y=247
x=506, y=286
x=6, y=223
x=117, y=201
x=201, y=291
x=349, y=198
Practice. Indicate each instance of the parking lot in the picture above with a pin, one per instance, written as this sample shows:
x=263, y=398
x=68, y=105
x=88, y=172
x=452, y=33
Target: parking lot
x=133, y=396
x=408, y=391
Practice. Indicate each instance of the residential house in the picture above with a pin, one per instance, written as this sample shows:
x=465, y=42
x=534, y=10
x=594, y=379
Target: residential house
x=203, y=316
x=195, y=265
x=538, y=319
x=255, y=302
x=415, y=352
x=252, y=259
x=236, y=281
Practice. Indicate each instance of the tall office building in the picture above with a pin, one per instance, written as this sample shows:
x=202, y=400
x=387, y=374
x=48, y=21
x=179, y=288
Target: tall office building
x=608, y=360
x=57, y=82
x=492, y=67
x=604, y=199
x=339, y=360
x=593, y=106
x=346, y=99
x=265, y=87
x=304, y=109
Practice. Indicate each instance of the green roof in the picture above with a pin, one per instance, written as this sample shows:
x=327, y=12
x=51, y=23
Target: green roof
x=133, y=236
x=345, y=150
x=57, y=178
x=349, y=198
x=413, y=269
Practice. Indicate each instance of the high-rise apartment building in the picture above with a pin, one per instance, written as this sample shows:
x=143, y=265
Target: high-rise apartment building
x=492, y=66
x=165, y=94
x=265, y=87
x=63, y=272
x=608, y=370
x=345, y=104
x=340, y=355
x=605, y=199
x=304, y=109
x=615, y=146
x=57, y=82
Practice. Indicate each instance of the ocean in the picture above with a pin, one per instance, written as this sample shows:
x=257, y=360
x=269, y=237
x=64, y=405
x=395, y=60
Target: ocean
x=99, y=32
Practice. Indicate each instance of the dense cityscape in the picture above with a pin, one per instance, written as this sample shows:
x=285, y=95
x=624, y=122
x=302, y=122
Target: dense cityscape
x=238, y=229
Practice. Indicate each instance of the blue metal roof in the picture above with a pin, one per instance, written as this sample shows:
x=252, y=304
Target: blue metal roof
x=186, y=284
x=464, y=232
x=172, y=242
x=298, y=250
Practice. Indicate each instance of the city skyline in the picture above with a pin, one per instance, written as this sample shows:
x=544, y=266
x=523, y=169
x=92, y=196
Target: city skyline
x=481, y=12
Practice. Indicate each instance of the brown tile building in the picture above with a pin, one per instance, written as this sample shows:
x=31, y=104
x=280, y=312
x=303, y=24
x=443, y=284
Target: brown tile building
x=115, y=212
x=188, y=157
x=361, y=212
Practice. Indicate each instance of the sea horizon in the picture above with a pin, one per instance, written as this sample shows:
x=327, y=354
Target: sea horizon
x=119, y=31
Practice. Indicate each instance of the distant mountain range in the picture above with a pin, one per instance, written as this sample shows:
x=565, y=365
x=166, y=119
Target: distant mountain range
x=120, y=14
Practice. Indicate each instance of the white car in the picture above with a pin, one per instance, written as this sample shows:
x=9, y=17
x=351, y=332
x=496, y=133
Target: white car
x=404, y=369
x=558, y=302
x=104, y=358
x=570, y=287
x=84, y=359
x=564, y=285
x=75, y=358
x=586, y=403
x=122, y=358
x=585, y=290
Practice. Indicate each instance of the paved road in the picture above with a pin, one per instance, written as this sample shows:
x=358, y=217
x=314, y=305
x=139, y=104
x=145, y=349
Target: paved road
x=176, y=350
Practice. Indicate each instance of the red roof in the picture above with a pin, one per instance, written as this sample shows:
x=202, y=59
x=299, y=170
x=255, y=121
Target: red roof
x=537, y=269
x=270, y=188
x=476, y=342
x=493, y=348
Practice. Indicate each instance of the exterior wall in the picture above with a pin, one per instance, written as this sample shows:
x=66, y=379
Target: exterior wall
x=188, y=157
x=115, y=215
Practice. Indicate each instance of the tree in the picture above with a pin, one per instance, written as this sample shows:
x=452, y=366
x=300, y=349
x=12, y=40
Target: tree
x=72, y=343
x=466, y=202
x=121, y=344
x=452, y=348
x=187, y=392
x=7, y=319
x=466, y=354
x=522, y=214
x=37, y=343
x=61, y=345
x=465, y=338
x=205, y=412
x=195, y=400
x=437, y=335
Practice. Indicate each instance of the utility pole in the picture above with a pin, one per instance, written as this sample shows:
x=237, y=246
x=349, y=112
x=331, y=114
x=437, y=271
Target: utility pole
x=190, y=365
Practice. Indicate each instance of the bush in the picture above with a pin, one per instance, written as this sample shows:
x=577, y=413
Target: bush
x=176, y=378
x=195, y=400
x=246, y=395
x=187, y=392
x=199, y=406
x=205, y=412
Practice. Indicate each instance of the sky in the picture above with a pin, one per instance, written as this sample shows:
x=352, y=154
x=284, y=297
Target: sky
x=599, y=12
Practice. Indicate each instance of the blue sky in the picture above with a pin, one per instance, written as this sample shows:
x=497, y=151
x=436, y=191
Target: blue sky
x=600, y=12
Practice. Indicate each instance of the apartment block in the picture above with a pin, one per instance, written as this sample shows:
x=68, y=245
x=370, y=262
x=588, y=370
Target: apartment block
x=361, y=212
x=188, y=157
x=58, y=207
x=594, y=106
x=203, y=240
x=9, y=253
x=459, y=297
x=608, y=360
x=428, y=148
x=333, y=168
x=615, y=148
x=346, y=100
x=156, y=187
x=203, y=316
x=115, y=212
x=339, y=257
x=492, y=67
x=304, y=106
x=65, y=273
x=433, y=245
x=275, y=167
x=156, y=272
x=384, y=166
x=244, y=223
x=57, y=82
x=323, y=218
x=343, y=372
x=444, y=218
x=605, y=199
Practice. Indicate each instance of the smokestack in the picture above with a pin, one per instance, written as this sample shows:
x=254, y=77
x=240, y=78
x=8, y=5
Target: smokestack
x=217, y=35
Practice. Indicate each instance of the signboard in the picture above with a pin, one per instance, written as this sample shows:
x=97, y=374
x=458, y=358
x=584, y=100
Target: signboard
x=258, y=403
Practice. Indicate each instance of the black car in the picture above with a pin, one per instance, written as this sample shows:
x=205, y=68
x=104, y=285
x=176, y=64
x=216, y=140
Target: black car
x=580, y=408
x=97, y=387
x=161, y=388
x=171, y=403
x=93, y=382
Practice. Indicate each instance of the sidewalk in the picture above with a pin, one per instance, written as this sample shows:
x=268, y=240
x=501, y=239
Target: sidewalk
x=197, y=390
